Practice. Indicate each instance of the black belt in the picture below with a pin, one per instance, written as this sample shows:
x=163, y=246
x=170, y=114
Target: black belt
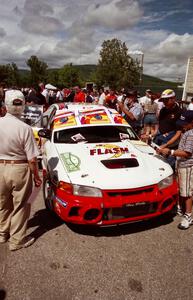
x=14, y=162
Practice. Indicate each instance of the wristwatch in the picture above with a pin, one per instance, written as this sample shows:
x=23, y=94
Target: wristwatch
x=171, y=152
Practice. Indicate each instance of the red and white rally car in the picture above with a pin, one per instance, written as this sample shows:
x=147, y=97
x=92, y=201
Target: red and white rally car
x=97, y=171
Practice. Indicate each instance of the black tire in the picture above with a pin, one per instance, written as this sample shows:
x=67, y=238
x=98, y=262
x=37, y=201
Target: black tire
x=48, y=194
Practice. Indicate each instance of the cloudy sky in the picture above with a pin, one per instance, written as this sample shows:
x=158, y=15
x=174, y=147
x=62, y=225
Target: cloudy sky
x=64, y=31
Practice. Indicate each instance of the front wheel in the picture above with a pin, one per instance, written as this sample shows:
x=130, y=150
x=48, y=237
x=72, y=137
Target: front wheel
x=48, y=193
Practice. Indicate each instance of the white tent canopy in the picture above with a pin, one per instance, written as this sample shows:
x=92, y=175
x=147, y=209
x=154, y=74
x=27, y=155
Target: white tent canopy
x=50, y=87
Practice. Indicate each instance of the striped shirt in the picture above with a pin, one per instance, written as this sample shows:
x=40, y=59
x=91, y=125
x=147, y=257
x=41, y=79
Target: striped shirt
x=186, y=144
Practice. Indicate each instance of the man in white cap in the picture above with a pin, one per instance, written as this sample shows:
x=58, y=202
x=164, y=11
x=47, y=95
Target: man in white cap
x=18, y=164
x=145, y=99
x=169, y=133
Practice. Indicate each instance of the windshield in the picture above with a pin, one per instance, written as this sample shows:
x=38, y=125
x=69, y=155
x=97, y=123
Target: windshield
x=94, y=134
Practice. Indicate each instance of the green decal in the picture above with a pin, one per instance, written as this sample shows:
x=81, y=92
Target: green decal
x=71, y=161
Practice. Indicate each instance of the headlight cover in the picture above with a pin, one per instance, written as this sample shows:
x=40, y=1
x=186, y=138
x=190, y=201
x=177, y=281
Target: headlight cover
x=166, y=182
x=86, y=191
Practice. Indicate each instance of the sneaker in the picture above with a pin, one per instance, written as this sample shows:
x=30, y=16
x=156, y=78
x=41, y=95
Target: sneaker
x=186, y=222
x=28, y=242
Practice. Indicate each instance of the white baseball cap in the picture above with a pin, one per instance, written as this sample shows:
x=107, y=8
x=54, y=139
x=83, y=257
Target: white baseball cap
x=14, y=97
x=167, y=94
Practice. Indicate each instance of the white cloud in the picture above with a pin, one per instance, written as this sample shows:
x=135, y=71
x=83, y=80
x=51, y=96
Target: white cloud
x=169, y=57
x=175, y=47
x=63, y=31
x=116, y=14
x=2, y=32
x=41, y=25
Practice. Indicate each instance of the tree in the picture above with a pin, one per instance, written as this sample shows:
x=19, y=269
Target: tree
x=116, y=68
x=9, y=74
x=38, y=69
x=4, y=74
x=53, y=77
x=69, y=76
x=14, y=75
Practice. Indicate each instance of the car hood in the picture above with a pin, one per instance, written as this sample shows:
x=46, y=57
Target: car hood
x=111, y=165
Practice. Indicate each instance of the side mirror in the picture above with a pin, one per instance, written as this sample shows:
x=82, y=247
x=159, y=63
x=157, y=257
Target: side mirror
x=45, y=133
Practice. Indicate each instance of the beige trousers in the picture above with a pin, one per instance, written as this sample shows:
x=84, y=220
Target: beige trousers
x=15, y=189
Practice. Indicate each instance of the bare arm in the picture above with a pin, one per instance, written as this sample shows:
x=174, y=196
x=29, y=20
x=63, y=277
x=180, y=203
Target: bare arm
x=33, y=164
x=128, y=113
x=178, y=152
x=172, y=140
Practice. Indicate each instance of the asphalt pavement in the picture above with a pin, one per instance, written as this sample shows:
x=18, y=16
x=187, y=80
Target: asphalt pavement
x=145, y=260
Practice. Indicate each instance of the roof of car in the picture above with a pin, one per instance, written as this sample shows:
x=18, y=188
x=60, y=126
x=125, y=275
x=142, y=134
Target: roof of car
x=72, y=115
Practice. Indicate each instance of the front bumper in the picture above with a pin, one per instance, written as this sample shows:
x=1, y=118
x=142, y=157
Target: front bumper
x=116, y=206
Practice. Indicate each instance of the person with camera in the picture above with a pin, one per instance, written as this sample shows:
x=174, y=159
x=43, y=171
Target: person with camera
x=132, y=110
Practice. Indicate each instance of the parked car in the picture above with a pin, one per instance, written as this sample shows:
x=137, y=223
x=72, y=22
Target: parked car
x=97, y=171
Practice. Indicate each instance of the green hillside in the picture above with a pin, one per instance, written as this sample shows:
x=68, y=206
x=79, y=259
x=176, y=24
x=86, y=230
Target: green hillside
x=151, y=82
x=87, y=70
x=158, y=85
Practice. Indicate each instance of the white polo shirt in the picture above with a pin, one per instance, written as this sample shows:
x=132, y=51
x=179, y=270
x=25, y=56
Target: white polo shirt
x=17, y=141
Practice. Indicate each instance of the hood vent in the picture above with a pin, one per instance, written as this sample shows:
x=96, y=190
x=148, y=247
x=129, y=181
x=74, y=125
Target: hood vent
x=120, y=163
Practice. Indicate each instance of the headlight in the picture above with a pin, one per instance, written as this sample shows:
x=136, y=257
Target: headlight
x=166, y=182
x=86, y=191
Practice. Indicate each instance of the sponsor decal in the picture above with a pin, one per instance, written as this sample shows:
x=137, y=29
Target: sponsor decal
x=78, y=138
x=124, y=136
x=118, y=119
x=135, y=204
x=99, y=117
x=71, y=161
x=65, y=120
x=109, y=149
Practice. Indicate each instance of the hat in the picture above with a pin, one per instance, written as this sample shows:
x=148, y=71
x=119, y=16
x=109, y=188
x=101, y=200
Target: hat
x=185, y=118
x=167, y=94
x=131, y=93
x=14, y=97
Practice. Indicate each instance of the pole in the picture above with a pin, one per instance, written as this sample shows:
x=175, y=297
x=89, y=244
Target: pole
x=141, y=69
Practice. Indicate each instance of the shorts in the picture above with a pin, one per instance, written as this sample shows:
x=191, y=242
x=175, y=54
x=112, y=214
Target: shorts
x=185, y=181
x=150, y=119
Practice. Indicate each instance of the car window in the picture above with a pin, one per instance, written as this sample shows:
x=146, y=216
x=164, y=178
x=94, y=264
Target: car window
x=94, y=134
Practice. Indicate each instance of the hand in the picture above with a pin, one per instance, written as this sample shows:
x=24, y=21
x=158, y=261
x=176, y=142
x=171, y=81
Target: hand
x=37, y=181
x=165, y=151
x=144, y=137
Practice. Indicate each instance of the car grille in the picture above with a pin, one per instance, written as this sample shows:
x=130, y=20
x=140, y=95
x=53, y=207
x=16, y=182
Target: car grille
x=129, y=192
x=131, y=203
x=130, y=210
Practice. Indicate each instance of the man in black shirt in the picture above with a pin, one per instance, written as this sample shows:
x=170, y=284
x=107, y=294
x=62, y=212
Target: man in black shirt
x=168, y=134
x=168, y=116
